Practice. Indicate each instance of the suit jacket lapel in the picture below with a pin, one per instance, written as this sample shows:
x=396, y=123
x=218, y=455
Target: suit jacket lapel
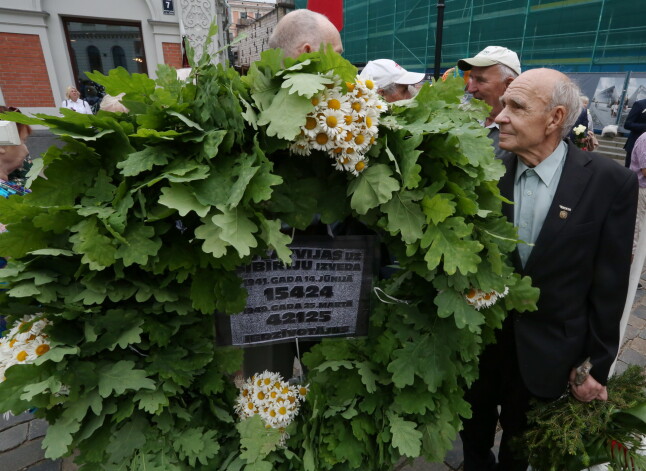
x=574, y=179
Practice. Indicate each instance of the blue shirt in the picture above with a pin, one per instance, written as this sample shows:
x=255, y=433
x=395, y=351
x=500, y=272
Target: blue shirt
x=534, y=190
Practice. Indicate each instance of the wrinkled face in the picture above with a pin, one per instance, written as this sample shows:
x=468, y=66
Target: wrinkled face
x=525, y=117
x=401, y=92
x=74, y=94
x=486, y=84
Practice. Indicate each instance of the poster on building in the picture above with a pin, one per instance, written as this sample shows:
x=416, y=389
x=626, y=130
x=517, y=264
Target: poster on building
x=635, y=91
x=325, y=292
x=605, y=104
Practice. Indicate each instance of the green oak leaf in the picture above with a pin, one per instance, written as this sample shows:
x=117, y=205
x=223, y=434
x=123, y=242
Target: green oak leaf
x=118, y=377
x=373, y=186
x=405, y=217
x=447, y=242
x=306, y=85
x=145, y=160
x=285, y=125
x=183, y=199
x=406, y=437
x=237, y=229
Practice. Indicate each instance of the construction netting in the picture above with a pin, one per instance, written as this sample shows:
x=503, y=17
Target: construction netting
x=571, y=35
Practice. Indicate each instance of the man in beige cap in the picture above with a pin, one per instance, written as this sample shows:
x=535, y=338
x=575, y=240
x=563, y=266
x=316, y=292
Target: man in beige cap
x=303, y=31
x=492, y=70
x=392, y=80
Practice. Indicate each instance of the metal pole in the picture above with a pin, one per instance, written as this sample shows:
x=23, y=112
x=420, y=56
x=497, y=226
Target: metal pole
x=438, y=39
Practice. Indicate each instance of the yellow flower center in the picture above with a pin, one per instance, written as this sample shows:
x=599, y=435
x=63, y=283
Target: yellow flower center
x=370, y=84
x=261, y=395
x=302, y=391
x=42, y=349
x=285, y=390
x=338, y=150
x=349, y=137
x=291, y=399
x=282, y=411
x=267, y=381
x=348, y=119
x=334, y=104
x=471, y=294
x=349, y=150
x=350, y=86
x=331, y=121
x=368, y=121
x=345, y=161
x=310, y=123
x=250, y=406
x=12, y=342
x=360, y=166
x=21, y=356
x=272, y=413
x=372, y=140
x=273, y=394
x=356, y=106
x=321, y=138
x=359, y=94
x=360, y=139
x=315, y=101
x=245, y=392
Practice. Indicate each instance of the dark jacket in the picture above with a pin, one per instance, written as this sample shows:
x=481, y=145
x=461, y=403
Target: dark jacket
x=581, y=263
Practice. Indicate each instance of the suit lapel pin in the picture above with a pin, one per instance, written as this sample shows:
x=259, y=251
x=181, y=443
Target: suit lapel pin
x=565, y=211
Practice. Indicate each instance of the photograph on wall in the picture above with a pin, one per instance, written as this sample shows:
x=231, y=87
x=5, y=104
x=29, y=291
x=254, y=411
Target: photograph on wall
x=635, y=91
x=606, y=101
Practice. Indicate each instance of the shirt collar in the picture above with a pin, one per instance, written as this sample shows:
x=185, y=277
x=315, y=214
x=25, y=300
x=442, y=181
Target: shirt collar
x=547, y=168
x=492, y=125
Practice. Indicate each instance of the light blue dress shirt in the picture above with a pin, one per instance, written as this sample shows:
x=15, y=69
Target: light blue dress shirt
x=534, y=190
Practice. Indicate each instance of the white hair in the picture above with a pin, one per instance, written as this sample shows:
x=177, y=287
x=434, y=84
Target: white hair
x=566, y=93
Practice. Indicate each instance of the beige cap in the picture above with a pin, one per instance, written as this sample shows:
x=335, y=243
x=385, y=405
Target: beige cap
x=492, y=55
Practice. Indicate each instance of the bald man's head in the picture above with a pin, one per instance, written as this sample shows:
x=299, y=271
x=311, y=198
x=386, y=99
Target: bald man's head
x=304, y=31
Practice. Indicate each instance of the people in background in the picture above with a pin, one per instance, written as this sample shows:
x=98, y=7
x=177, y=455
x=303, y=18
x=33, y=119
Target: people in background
x=74, y=102
x=393, y=82
x=491, y=72
x=636, y=124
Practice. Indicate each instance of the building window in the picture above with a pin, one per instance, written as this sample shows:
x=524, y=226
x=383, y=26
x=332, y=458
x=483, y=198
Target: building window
x=119, y=57
x=91, y=42
x=94, y=59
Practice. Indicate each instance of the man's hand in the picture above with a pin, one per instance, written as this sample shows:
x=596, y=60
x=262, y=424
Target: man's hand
x=590, y=390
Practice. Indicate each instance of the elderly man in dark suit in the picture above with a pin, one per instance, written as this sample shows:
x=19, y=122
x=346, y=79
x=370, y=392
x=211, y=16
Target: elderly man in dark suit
x=636, y=124
x=575, y=211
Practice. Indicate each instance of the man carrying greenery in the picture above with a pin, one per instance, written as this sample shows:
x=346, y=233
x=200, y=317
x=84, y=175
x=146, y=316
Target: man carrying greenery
x=302, y=31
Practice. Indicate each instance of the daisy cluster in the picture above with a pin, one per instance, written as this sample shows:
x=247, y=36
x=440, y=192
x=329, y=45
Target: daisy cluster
x=267, y=395
x=23, y=343
x=342, y=124
x=480, y=299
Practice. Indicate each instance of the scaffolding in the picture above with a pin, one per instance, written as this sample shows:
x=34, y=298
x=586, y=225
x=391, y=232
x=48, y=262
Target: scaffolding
x=570, y=35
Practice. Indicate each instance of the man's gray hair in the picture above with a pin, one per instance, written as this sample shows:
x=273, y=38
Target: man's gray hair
x=566, y=93
x=297, y=28
x=506, y=72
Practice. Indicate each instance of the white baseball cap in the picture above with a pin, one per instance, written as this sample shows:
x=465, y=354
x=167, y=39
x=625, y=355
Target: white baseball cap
x=384, y=72
x=492, y=55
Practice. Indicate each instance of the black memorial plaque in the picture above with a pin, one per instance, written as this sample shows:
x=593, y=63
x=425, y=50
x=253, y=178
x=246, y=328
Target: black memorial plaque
x=325, y=292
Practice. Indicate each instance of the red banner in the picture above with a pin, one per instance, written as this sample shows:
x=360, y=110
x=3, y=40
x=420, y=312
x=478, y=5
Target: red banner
x=333, y=9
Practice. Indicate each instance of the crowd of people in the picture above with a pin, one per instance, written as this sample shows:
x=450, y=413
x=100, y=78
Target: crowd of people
x=575, y=212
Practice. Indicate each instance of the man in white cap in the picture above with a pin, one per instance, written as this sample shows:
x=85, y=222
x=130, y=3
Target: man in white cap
x=492, y=70
x=391, y=79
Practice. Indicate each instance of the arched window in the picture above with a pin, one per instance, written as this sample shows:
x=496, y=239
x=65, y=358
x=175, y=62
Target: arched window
x=119, y=57
x=94, y=58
